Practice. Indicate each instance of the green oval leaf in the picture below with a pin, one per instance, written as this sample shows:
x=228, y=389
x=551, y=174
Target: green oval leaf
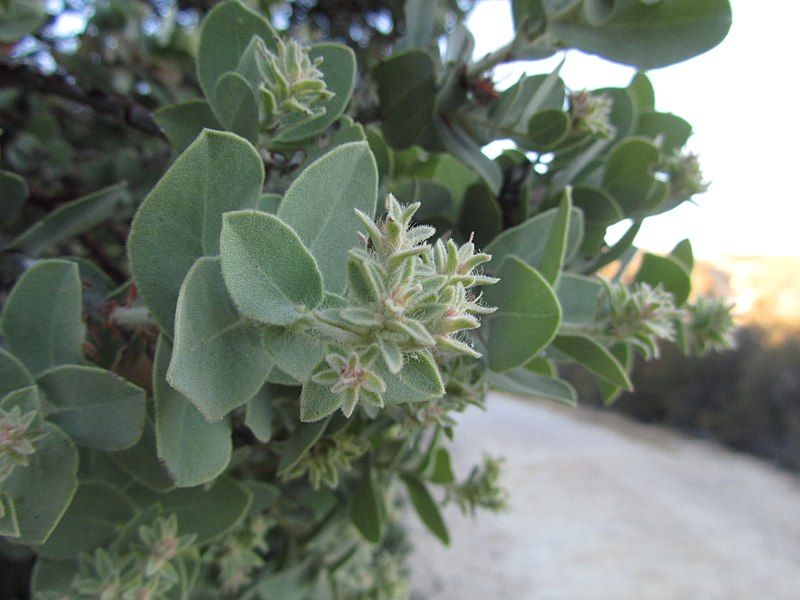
x=595, y=357
x=183, y=122
x=365, y=508
x=181, y=218
x=13, y=374
x=43, y=489
x=527, y=317
x=96, y=512
x=322, y=200
x=524, y=382
x=41, y=319
x=194, y=450
x=218, y=361
x=668, y=271
x=427, y=508
x=225, y=34
x=647, y=35
x=96, y=407
x=237, y=106
x=271, y=276
x=72, y=218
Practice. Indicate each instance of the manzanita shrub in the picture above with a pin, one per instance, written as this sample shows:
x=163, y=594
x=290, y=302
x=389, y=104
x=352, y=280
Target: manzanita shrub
x=327, y=272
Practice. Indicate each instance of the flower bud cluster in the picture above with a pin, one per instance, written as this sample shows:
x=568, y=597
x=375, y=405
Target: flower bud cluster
x=18, y=434
x=641, y=315
x=292, y=84
x=591, y=113
x=684, y=174
x=239, y=555
x=329, y=458
x=481, y=488
x=405, y=297
x=144, y=570
x=709, y=326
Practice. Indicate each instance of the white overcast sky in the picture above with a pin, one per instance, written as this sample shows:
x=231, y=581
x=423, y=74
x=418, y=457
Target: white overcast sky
x=743, y=99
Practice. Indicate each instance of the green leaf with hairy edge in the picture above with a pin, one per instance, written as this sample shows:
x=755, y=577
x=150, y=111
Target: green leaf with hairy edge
x=237, y=106
x=96, y=407
x=13, y=194
x=647, y=35
x=13, y=374
x=556, y=245
x=294, y=352
x=259, y=414
x=317, y=401
x=183, y=122
x=440, y=470
x=97, y=511
x=346, y=131
x=27, y=399
x=541, y=366
x=528, y=240
x=546, y=129
x=671, y=130
x=599, y=211
x=384, y=157
x=53, y=577
x=683, y=253
x=225, y=34
x=524, y=382
x=141, y=461
x=595, y=357
x=301, y=439
x=269, y=203
x=365, y=507
x=608, y=391
x=417, y=381
x=207, y=513
x=668, y=271
x=629, y=173
x=461, y=145
x=339, y=72
x=579, y=297
x=43, y=489
x=218, y=359
x=9, y=523
x=427, y=508
x=194, y=450
x=642, y=92
x=436, y=203
x=322, y=200
x=42, y=316
x=181, y=218
x=526, y=319
x=270, y=274
x=72, y=218
x=480, y=215
x=406, y=89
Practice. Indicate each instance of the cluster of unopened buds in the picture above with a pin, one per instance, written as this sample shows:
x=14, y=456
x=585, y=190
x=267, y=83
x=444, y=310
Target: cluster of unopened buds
x=405, y=297
x=641, y=315
x=18, y=434
x=708, y=326
x=684, y=174
x=291, y=82
x=591, y=113
x=144, y=570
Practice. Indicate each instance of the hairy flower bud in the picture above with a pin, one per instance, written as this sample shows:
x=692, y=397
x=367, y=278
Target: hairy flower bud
x=292, y=84
x=591, y=113
x=640, y=315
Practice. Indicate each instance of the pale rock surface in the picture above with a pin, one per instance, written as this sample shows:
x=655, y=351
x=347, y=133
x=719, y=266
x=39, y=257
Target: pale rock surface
x=603, y=508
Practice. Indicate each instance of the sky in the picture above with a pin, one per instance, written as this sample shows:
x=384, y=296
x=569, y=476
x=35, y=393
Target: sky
x=742, y=98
